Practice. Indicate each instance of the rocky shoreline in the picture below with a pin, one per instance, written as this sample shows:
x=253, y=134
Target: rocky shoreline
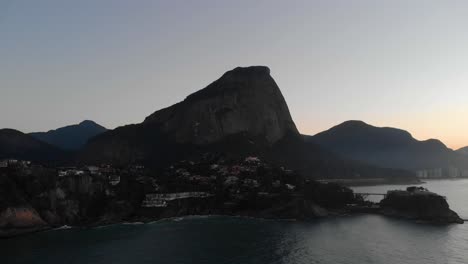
x=435, y=210
x=374, y=181
x=37, y=199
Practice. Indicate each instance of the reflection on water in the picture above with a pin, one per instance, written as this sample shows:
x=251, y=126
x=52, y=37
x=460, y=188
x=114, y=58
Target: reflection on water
x=355, y=239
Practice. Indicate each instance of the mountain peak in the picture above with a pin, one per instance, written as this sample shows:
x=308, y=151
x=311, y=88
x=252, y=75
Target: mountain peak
x=386, y=147
x=88, y=122
x=353, y=123
x=435, y=143
x=251, y=78
x=10, y=131
x=250, y=70
x=71, y=137
x=244, y=100
x=363, y=129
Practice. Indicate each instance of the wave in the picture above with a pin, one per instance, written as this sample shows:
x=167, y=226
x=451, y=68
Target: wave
x=65, y=227
x=133, y=223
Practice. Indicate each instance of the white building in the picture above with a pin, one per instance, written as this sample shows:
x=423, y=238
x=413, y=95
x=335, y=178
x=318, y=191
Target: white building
x=93, y=170
x=163, y=199
x=114, y=180
x=3, y=163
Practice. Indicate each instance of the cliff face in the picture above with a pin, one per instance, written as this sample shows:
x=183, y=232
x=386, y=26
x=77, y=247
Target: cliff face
x=36, y=198
x=20, y=217
x=17, y=216
x=244, y=105
x=244, y=100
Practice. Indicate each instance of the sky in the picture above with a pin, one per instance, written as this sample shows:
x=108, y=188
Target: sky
x=391, y=63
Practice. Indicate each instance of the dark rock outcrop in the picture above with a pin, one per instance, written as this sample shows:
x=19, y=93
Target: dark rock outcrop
x=71, y=137
x=245, y=104
x=20, y=220
x=244, y=100
x=17, y=216
x=419, y=204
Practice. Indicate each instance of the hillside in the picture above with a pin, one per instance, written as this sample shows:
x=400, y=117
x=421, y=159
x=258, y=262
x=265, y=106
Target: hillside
x=387, y=147
x=71, y=137
x=17, y=145
x=463, y=151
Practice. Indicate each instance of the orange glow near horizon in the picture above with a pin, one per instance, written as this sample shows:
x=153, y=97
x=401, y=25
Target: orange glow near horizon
x=448, y=126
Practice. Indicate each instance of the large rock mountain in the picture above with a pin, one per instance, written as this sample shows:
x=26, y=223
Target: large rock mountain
x=71, y=137
x=388, y=147
x=245, y=104
x=17, y=145
x=242, y=113
x=244, y=100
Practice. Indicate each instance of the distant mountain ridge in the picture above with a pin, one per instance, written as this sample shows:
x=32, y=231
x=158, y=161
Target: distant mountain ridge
x=17, y=145
x=72, y=137
x=387, y=147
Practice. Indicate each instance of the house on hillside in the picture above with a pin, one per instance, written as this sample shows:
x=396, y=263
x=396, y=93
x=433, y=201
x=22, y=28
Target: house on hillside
x=114, y=180
x=93, y=170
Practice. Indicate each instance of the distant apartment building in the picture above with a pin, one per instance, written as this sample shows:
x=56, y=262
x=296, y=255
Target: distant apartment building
x=3, y=163
x=464, y=174
x=14, y=163
x=450, y=172
x=70, y=171
x=430, y=173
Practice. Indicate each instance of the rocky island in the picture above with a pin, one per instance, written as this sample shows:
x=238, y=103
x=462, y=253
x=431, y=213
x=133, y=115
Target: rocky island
x=418, y=203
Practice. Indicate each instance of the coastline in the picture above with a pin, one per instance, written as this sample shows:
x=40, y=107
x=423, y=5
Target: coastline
x=342, y=212
x=15, y=232
x=370, y=182
x=298, y=207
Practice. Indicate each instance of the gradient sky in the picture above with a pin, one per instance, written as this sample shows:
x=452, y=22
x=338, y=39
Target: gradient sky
x=390, y=63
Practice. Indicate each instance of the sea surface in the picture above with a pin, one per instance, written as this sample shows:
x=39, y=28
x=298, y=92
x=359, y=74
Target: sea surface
x=356, y=239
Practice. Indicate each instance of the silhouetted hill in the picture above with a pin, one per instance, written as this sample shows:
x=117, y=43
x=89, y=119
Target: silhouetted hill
x=242, y=113
x=387, y=147
x=17, y=145
x=71, y=137
x=463, y=151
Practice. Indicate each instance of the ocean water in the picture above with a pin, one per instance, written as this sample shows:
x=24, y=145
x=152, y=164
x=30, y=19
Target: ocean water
x=355, y=239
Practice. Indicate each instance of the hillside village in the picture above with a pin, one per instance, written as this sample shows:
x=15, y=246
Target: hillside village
x=95, y=195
